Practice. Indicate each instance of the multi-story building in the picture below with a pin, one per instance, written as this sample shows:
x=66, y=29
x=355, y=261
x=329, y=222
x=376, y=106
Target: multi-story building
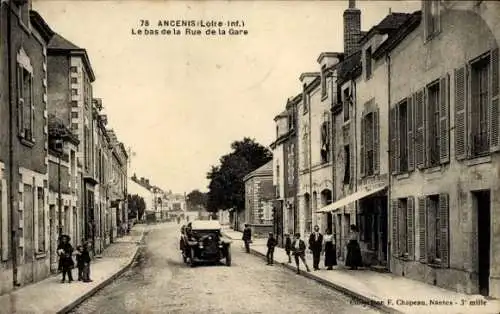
x=277, y=148
x=445, y=187
x=119, y=162
x=24, y=231
x=259, y=199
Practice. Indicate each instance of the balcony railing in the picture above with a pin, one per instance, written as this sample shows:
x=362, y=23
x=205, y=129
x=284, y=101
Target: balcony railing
x=480, y=144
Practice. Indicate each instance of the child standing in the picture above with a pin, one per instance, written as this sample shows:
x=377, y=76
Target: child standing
x=79, y=262
x=84, y=259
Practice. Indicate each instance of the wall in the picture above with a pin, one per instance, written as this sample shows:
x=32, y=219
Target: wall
x=456, y=179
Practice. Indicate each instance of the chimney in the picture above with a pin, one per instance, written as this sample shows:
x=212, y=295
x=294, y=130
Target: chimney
x=352, y=28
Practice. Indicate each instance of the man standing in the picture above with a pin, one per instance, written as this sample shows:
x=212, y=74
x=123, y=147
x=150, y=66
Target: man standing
x=271, y=243
x=247, y=237
x=299, y=251
x=315, y=245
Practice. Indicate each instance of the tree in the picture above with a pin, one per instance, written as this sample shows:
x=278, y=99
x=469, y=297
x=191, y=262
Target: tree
x=136, y=206
x=195, y=199
x=226, y=187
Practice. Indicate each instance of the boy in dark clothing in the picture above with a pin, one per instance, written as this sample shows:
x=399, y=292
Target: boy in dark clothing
x=83, y=261
x=271, y=243
x=288, y=247
x=247, y=237
x=79, y=262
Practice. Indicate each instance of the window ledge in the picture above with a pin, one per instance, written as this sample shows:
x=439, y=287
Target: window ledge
x=346, y=123
x=324, y=96
x=478, y=161
x=403, y=176
x=433, y=169
x=27, y=142
x=40, y=255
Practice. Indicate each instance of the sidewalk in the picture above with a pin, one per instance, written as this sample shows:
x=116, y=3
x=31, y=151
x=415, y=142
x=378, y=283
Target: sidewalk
x=390, y=293
x=51, y=296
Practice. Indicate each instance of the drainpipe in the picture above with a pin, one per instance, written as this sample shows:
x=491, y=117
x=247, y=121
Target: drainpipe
x=355, y=174
x=311, y=200
x=12, y=124
x=389, y=176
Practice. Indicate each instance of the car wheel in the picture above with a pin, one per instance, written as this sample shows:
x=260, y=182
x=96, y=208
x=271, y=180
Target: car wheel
x=228, y=258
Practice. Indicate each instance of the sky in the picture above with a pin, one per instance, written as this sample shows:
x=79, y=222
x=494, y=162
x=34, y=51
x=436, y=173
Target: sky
x=179, y=101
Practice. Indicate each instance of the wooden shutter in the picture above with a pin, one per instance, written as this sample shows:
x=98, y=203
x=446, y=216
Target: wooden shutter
x=410, y=224
x=460, y=114
x=444, y=121
x=422, y=224
x=20, y=100
x=395, y=229
x=494, y=110
x=393, y=144
x=32, y=110
x=419, y=129
x=376, y=142
x=444, y=226
x=410, y=142
x=362, y=147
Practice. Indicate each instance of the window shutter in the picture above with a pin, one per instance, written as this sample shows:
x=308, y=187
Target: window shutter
x=410, y=227
x=395, y=229
x=393, y=144
x=422, y=229
x=444, y=230
x=410, y=142
x=362, y=147
x=419, y=130
x=397, y=141
x=460, y=114
x=32, y=111
x=376, y=142
x=20, y=100
x=494, y=110
x=444, y=121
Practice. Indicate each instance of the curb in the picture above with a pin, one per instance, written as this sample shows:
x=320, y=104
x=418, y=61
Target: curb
x=103, y=284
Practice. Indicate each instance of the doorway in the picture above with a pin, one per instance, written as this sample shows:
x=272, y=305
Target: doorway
x=481, y=200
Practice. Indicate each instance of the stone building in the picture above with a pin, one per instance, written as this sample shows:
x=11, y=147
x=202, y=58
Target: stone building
x=119, y=162
x=24, y=231
x=445, y=197
x=259, y=199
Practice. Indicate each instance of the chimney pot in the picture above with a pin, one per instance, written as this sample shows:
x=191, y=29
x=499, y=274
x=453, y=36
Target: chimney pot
x=352, y=4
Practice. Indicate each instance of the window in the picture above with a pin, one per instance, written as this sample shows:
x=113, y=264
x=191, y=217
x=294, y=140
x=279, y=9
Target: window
x=347, y=165
x=74, y=80
x=434, y=229
x=325, y=141
x=433, y=124
x=479, y=107
x=368, y=62
x=305, y=149
x=74, y=103
x=403, y=129
x=369, y=143
x=305, y=100
x=432, y=16
x=25, y=103
x=87, y=151
x=73, y=69
x=403, y=227
x=323, y=81
x=308, y=213
x=74, y=91
x=278, y=181
x=41, y=220
x=74, y=115
x=346, y=103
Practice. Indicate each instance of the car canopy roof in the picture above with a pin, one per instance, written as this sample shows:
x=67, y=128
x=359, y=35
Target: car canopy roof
x=205, y=225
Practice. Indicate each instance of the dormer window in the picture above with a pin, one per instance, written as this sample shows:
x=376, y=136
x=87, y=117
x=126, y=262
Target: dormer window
x=432, y=18
x=323, y=81
x=368, y=62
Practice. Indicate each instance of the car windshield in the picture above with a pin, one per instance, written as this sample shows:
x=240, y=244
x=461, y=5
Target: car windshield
x=200, y=233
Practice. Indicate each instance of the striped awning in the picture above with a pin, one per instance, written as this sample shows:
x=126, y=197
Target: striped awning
x=351, y=198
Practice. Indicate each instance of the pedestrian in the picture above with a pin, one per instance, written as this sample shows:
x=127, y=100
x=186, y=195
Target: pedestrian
x=288, y=247
x=247, y=237
x=65, y=252
x=79, y=262
x=316, y=245
x=271, y=244
x=330, y=250
x=353, y=259
x=299, y=252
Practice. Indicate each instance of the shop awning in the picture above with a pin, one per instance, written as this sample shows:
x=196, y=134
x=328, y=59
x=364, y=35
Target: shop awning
x=351, y=198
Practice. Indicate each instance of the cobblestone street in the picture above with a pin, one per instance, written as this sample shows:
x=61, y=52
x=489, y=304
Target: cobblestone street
x=160, y=283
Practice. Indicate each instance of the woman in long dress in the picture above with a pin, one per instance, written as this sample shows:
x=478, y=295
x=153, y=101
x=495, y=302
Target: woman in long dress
x=353, y=259
x=330, y=251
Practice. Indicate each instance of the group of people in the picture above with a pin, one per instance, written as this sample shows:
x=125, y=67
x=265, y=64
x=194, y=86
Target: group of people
x=318, y=243
x=66, y=253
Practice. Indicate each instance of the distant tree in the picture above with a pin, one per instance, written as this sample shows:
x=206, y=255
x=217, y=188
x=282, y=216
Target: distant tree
x=136, y=206
x=226, y=187
x=195, y=199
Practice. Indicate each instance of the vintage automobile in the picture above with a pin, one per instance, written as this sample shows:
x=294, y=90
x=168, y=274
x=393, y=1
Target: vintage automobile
x=204, y=242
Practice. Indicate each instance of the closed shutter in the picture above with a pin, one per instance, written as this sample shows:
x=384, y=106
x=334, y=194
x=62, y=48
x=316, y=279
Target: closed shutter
x=419, y=130
x=395, y=229
x=397, y=141
x=444, y=121
x=444, y=230
x=460, y=114
x=422, y=229
x=32, y=111
x=494, y=110
x=376, y=142
x=410, y=226
x=410, y=142
x=393, y=144
x=20, y=101
x=362, y=147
